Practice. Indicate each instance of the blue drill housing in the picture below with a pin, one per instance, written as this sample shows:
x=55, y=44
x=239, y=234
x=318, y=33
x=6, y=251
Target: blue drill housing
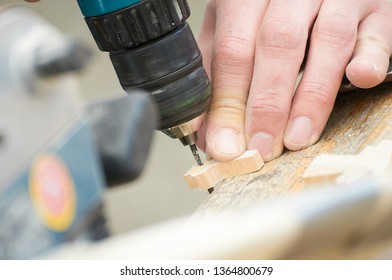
x=93, y=8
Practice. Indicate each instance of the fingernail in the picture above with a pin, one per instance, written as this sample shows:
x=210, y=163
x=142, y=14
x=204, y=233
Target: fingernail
x=299, y=133
x=227, y=142
x=366, y=64
x=361, y=69
x=264, y=143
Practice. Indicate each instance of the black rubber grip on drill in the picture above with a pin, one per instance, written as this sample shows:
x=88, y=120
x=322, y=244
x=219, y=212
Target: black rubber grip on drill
x=189, y=90
x=137, y=24
x=157, y=59
x=171, y=69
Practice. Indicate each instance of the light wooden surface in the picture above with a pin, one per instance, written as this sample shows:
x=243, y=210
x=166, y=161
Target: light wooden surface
x=360, y=118
x=212, y=172
x=348, y=168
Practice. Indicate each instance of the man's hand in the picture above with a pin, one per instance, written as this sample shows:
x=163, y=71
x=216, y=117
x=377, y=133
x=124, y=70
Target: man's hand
x=253, y=51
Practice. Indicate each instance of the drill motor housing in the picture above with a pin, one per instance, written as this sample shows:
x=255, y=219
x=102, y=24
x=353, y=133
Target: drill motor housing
x=152, y=47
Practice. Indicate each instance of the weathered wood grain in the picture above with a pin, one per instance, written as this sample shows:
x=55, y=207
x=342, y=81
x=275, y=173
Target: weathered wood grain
x=359, y=118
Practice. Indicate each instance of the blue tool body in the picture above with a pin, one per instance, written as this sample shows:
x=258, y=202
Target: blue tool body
x=93, y=8
x=54, y=198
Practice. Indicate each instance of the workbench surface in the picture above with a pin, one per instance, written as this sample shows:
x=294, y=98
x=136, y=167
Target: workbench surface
x=360, y=118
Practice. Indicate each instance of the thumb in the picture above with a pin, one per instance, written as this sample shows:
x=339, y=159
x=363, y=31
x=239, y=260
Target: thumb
x=225, y=137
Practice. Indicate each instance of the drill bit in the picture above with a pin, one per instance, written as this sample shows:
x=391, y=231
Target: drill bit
x=196, y=155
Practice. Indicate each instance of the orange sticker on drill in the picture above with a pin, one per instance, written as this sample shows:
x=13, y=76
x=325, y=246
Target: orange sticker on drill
x=52, y=192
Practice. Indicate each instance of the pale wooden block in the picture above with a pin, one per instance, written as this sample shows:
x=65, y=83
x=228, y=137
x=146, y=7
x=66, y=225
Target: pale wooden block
x=346, y=169
x=329, y=165
x=212, y=172
x=378, y=158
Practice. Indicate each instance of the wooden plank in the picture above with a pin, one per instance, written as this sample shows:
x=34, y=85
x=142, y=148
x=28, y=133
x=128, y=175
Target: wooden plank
x=360, y=118
x=213, y=172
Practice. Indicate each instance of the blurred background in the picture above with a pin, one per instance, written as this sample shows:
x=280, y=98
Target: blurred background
x=161, y=192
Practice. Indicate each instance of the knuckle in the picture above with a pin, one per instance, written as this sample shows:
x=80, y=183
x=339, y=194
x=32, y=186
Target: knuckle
x=282, y=35
x=227, y=107
x=317, y=95
x=269, y=103
x=337, y=30
x=233, y=51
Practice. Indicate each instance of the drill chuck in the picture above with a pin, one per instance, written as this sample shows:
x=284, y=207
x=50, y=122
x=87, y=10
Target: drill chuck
x=152, y=47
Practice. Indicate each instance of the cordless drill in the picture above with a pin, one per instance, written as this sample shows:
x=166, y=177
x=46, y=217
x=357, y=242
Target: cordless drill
x=152, y=47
